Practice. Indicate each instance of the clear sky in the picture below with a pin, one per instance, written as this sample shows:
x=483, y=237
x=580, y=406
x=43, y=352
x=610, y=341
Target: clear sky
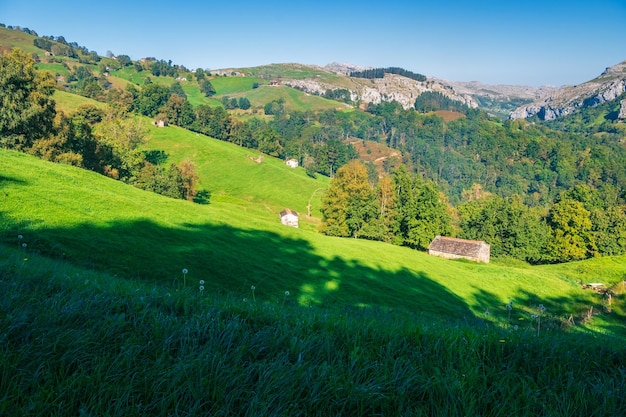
x=552, y=42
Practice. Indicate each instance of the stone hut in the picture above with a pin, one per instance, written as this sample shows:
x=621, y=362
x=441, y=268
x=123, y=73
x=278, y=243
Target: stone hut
x=454, y=248
x=289, y=217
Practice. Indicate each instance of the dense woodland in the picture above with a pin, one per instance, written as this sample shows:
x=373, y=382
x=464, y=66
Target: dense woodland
x=539, y=192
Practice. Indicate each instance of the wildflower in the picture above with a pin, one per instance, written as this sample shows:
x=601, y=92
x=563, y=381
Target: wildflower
x=185, y=276
x=502, y=340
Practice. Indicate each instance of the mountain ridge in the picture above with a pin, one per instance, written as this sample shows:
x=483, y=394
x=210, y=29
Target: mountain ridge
x=566, y=100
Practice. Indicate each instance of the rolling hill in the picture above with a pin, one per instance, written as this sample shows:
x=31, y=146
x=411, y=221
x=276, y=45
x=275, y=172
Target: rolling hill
x=237, y=241
x=118, y=301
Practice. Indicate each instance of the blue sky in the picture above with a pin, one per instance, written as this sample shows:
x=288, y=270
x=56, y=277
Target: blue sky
x=495, y=42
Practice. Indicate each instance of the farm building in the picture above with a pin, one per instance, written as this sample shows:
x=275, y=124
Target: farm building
x=289, y=217
x=292, y=163
x=453, y=248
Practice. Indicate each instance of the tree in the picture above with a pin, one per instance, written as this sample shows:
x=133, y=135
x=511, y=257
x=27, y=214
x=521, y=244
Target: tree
x=511, y=228
x=176, y=88
x=243, y=103
x=179, y=111
x=349, y=204
x=421, y=214
x=207, y=88
x=151, y=98
x=27, y=109
x=200, y=74
x=571, y=225
x=124, y=60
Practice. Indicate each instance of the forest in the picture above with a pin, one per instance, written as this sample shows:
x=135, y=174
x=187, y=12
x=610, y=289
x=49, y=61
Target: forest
x=538, y=192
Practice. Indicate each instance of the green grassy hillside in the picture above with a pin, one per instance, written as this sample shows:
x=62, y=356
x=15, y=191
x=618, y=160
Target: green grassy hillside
x=18, y=39
x=234, y=243
x=231, y=173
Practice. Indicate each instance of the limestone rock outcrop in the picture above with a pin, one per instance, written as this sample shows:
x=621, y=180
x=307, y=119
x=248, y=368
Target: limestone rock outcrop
x=566, y=100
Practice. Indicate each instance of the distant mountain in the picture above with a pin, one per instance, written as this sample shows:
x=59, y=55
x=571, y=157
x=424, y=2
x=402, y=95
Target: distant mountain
x=496, y=99
x=610, y=85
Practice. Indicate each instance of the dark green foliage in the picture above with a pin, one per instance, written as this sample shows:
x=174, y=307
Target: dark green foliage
x=151, y=98
x=511, y=228
x=176, y=88
x=207, y=88
x=43, y=43
x=124, y=60
x=433, y=100
x=27, y=109
x=161, y=68
x=275, y=107
x=380, y=73
x=406, y=211
x=243, y=103
x=339, y=94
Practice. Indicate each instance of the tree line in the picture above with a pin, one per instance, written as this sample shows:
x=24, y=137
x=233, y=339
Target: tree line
x=380, y=73
x=405, y=209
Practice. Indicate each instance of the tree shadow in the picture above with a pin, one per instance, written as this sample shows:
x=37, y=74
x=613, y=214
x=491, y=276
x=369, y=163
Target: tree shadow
x=583, y=309
x=233, y=260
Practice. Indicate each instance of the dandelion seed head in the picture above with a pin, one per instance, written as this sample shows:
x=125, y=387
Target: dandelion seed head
x=509, y=307
x=185, y=271
x=534, y=316
x=286, y=293
x=245, y=300
x=20, y=237
x=252, y=287
x=24, y=245
x=201, y=282
x=201, y=287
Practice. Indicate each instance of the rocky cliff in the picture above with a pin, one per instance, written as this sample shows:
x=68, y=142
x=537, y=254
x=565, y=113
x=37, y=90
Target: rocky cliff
x=499, y=99
x=566, y=100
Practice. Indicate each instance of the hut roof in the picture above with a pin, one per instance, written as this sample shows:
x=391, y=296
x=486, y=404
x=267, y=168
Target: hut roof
x=456, y=246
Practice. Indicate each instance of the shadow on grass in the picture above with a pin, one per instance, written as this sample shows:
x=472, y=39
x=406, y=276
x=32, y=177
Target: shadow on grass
x=576, y=308
x=233, y=260
x=282, y=269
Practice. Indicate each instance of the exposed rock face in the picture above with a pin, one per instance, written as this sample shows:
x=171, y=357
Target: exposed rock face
x=392, y=87
x=622, y=110
x=566, y=100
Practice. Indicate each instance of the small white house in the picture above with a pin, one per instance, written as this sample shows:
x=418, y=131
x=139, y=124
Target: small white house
x=292, y=163
x=289, y=217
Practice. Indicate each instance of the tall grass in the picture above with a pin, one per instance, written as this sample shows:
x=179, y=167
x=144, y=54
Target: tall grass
x=75, y=342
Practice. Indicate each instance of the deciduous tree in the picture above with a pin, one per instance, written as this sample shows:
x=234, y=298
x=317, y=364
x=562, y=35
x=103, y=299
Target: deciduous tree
x=27, y=109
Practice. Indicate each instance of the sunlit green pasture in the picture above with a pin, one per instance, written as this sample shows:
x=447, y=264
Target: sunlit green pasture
x=237, y=241
x=295, y=100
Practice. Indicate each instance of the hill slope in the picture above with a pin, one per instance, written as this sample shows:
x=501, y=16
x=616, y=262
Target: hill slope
x=96, y=222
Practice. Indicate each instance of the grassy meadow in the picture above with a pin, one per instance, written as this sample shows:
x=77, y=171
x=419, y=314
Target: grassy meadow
x=120, y=302
x=115, y=301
